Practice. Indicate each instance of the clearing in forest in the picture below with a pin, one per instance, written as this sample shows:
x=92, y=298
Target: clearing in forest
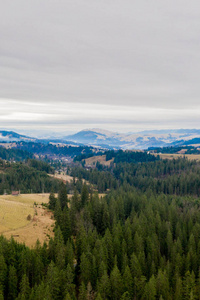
x=100, y=158
x=66, y=178
x=13, y=218
x=14, y=214
x=176, y=155
x=27, y=198
x=62, y=176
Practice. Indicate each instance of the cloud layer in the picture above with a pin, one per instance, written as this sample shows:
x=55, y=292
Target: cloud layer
x=120, y=64
x=61, y=117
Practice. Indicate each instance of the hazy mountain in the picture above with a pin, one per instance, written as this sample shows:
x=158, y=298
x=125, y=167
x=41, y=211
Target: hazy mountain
x=98, y=137
x=8, y=136
x=113, y=140
x=139, y=140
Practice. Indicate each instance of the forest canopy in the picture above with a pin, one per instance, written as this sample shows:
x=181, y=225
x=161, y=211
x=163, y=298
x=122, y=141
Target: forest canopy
x=139, y=241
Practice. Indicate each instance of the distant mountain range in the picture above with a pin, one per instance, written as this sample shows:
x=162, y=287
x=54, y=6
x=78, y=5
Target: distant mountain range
x=13, y=136
x=113, y=140
x=140, y=140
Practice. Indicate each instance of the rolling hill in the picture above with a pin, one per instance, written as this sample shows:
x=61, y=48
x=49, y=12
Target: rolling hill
x=113, y=140
x=140, y=140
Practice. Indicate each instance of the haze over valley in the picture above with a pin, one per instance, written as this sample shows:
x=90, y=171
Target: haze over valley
x=113, y=140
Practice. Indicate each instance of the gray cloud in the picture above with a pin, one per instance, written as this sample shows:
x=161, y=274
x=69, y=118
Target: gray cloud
x=129, y=53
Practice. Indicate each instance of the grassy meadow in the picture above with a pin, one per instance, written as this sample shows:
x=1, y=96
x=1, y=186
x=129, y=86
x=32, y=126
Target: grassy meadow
x=176, y=155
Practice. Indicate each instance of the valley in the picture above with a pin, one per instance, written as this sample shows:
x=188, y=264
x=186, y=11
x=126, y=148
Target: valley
x=129, y=215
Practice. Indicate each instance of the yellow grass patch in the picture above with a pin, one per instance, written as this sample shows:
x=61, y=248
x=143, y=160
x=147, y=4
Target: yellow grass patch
x=13, y=218
x=40, y=228
x=62, y=176
x=14, y=215
x=100, y=158
x=175, y=155
x=27, y=198
x=66, y=178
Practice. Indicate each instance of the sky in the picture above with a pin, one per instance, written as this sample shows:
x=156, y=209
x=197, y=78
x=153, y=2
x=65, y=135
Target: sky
x=121, y=65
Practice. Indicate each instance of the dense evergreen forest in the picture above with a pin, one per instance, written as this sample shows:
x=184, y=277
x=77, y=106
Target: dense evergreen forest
x=140, y=241
x=14, y=154
x=53, y=149
x=176, y=149
x=177, y=176
x=129, y=156
x=29, y=177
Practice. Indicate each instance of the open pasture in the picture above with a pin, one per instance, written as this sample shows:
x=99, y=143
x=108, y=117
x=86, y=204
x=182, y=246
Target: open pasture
x=13, y=218
x=14, y=214
x=62, y=176
x=175, y=156
x=39, y=228
x=100, y=158
x=27, y=198
x=66, y=178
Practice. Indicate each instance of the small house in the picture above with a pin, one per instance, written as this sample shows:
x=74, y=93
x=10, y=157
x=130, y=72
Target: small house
x=15, y=193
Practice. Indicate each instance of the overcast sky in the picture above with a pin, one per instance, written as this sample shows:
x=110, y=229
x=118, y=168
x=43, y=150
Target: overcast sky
x=119, y=65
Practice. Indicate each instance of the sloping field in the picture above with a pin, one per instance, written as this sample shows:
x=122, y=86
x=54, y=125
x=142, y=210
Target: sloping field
x=27, y=198
x=66, y=178
x=62, y=176
x=13, y=218
x=40, y=228
x=14, y=215
x=101, y=159
x=175, y=155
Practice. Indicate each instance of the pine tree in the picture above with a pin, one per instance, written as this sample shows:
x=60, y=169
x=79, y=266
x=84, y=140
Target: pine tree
x=69, y=285
x=103, y=286
x=53, y=280
x=52, y=201
x=178, y=293
x=128, y=281
x=69, y=258
x=65, y=224
x=24, y=288
x=3, y=272
x=135, y=267
x=150, y=289
x=84, y=195
x=85, y=269
x=116, y=283
x=108, y=248
x=12, y=283
x=82, y=292
x=62, y=196
x=162, y=285
x=189, y=286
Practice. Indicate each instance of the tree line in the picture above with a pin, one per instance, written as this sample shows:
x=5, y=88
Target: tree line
x=30, y=177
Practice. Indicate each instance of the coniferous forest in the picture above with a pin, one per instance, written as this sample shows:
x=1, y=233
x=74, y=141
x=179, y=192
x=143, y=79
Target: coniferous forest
x=140, y=240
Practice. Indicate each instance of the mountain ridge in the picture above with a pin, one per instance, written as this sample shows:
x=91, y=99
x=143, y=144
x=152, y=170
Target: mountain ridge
x=114, y=140
x=138, y=140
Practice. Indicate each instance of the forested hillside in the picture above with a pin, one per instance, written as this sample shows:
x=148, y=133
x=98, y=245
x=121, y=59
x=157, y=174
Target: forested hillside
x=29, y=177
x=177, y=176
x=141, y=241
x=54, y=149
x=14, y=154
